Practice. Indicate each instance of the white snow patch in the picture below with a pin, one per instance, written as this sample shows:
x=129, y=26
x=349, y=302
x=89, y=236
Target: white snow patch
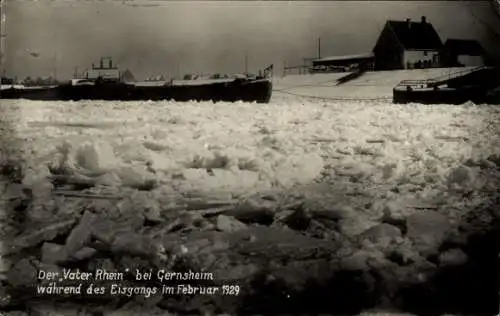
x=95, y=156
x=370, y=85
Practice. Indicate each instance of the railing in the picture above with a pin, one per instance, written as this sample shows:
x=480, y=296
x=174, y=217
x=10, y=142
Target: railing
x=434, y=82
x=416, y=82
x=445, y=78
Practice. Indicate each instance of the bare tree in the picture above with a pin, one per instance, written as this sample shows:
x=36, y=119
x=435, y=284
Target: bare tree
x=493, y=31
x=495, y=4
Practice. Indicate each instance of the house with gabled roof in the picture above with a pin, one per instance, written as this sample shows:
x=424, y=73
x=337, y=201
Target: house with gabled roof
x=407, y=45
x=463, y=53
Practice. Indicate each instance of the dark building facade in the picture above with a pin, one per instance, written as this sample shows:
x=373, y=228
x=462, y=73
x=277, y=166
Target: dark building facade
x=407, y=45
x=7, y=81
x=344, y=63
x=464, y=53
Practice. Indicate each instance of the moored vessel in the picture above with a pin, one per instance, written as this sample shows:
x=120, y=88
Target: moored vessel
x=478, y=85
x=106, y=82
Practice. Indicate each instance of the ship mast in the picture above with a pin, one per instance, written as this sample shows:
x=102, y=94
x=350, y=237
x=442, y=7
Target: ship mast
x=3, y=35
x=54, y=65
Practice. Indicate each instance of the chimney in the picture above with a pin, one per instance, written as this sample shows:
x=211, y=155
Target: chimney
x=424, y=19
x=408, y=22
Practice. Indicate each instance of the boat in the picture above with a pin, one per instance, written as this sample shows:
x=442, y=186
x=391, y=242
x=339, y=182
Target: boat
x=105, y=82
x=478, y=85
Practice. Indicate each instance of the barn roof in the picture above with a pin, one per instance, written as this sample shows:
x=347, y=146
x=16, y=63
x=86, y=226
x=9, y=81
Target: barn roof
x=464, y=47
x=345, y=57
x=416, y=35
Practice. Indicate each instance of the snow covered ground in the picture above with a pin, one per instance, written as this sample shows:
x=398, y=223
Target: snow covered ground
x=389, y=154
x=371, y=86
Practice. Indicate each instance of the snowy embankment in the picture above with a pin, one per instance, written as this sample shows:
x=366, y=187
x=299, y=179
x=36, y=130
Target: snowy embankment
x=371, y=85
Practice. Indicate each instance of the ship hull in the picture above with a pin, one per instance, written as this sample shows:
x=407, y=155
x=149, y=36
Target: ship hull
x=444, y=96
x=246, y=90
x=480, y=85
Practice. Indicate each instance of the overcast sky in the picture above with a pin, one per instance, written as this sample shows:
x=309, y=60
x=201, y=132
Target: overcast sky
x=156, y=37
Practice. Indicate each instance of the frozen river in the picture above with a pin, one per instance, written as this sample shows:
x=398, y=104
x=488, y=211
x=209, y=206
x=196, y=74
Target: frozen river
x=388, y=154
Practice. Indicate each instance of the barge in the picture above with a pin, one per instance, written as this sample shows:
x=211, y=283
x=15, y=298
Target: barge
x=478, y=85
x=106, y=83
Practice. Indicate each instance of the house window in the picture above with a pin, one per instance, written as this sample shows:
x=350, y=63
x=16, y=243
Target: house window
x=435, y=59
x=425, y=53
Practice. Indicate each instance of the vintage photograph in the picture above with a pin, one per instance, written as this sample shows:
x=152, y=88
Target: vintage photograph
x=249, y=157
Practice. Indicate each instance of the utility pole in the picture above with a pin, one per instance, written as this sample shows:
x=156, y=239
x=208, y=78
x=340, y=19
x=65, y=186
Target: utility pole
x=246, y=63
x=319, y=47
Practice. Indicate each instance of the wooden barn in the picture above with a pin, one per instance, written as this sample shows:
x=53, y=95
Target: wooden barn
x=407, y=45
x=344, y=63
x=463, y=53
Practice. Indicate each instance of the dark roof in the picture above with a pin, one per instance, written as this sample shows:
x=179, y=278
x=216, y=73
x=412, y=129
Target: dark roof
x=345, y=57
x=464, y=47
x=416, y=35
